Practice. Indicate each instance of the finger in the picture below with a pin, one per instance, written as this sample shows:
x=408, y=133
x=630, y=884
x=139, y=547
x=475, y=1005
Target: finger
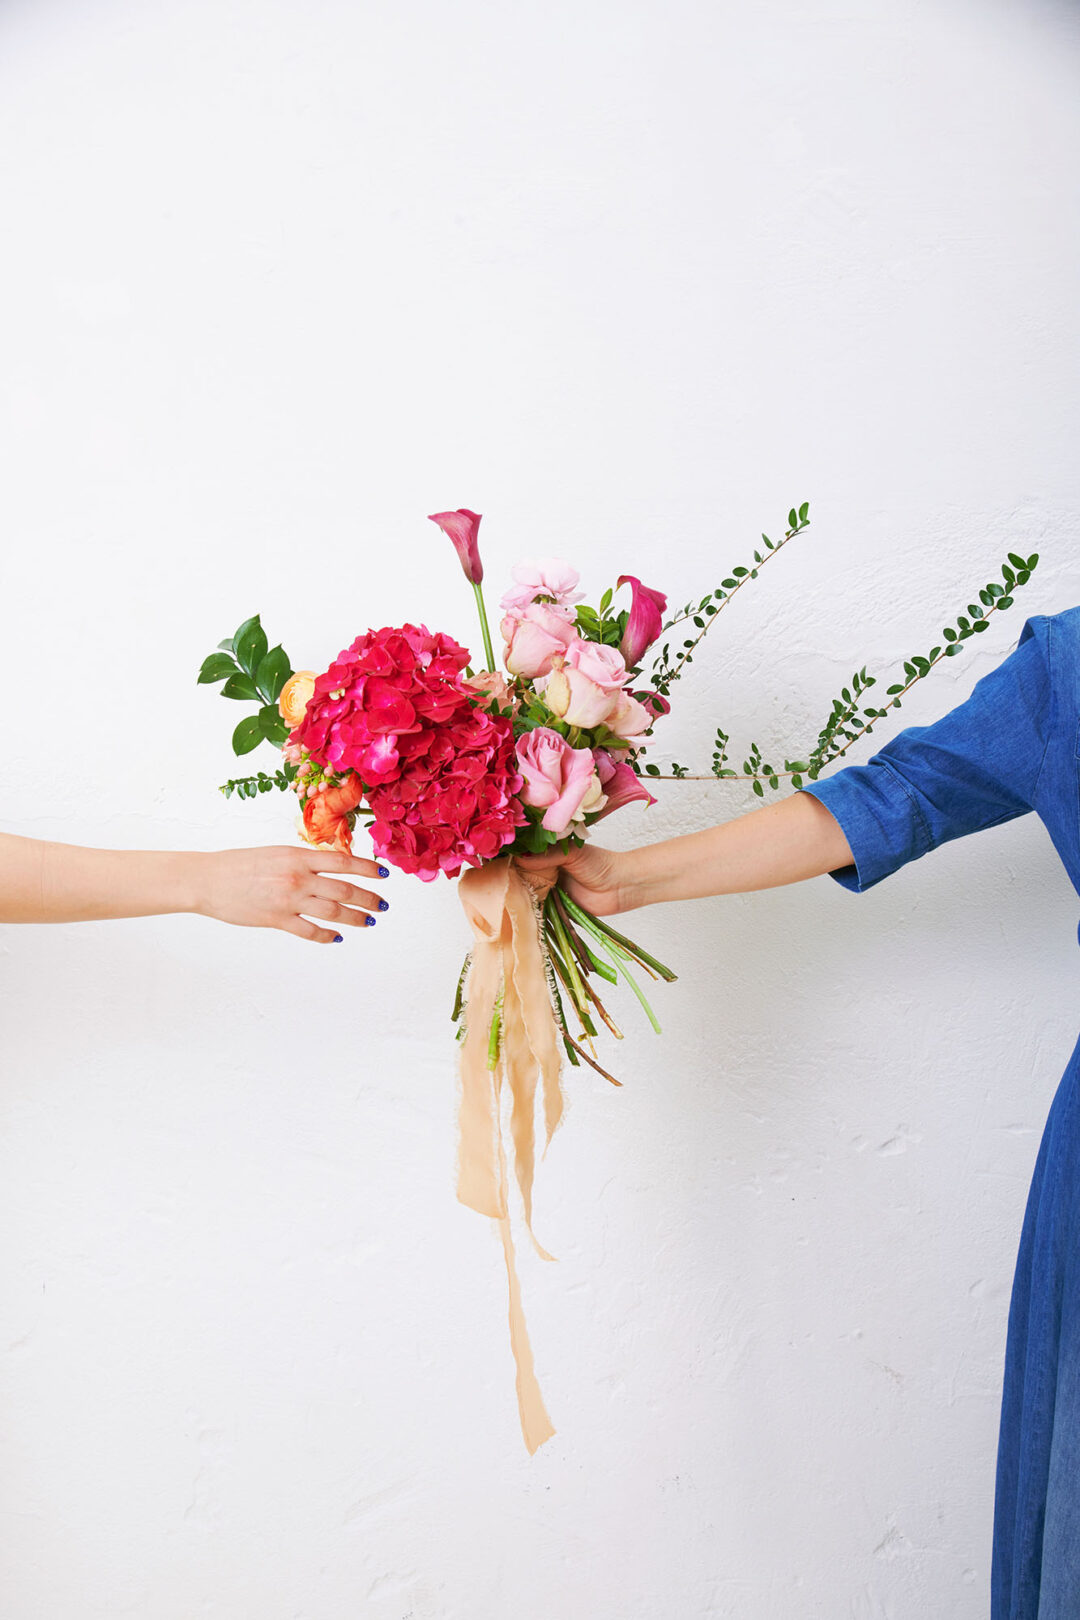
x=307, y=930
x=340, y=916
x=335, y=860
x=347, y=894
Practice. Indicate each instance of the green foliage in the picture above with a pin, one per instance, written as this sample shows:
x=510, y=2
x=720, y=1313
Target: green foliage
x=850, y=718
x=252, y=673
x=668, y=666
x=248, y=786
x=846, y=726
x=604, y=627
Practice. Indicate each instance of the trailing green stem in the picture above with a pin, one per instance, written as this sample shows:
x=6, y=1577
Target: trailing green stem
x=482, y=610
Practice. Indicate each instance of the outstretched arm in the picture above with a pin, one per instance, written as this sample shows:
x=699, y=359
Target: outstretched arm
x=282, y=888
x=780, y=843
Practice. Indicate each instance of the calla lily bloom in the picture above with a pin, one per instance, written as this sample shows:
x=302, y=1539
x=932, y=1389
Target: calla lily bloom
x=461, y=528
x=620, y=783
x=645, y=622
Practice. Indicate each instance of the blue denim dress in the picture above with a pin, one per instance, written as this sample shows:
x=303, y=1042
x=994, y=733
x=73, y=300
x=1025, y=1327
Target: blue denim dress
x=1014, y=746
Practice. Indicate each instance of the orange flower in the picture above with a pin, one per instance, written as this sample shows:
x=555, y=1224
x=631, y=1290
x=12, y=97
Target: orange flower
x=326, y=815
x=295, y=696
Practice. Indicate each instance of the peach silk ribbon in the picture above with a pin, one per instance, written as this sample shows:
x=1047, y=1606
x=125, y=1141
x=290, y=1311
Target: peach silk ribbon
x=508, y=956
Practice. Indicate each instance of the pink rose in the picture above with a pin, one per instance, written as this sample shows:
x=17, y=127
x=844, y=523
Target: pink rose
x=585, y=686
x=645, y=622
x=534, y=636
x=493, y=688
x=549, y=577
x=558, y=779
x=619, y=783
x=629, y=718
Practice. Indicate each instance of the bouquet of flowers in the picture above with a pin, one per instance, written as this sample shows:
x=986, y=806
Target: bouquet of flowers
x=457, y=770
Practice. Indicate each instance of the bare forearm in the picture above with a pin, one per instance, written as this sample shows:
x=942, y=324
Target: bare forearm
x=780, y=843
x=43, y=882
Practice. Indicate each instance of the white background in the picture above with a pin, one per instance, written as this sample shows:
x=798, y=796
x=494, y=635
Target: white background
x=631, y=278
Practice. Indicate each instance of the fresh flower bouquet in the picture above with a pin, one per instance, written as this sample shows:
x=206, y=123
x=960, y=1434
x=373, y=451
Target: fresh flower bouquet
x=457, y=771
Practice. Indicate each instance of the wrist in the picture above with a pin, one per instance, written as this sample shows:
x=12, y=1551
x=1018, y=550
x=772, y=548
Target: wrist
x=188, y=882
x=632, y=880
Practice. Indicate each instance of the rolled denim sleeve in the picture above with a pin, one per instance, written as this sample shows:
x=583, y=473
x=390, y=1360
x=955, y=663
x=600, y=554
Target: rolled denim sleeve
x=977, y=766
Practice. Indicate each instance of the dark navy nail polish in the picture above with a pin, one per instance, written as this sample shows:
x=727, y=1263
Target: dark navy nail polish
x=338, y=939
x=369, y=922
x=384, y=871
x=384, y=905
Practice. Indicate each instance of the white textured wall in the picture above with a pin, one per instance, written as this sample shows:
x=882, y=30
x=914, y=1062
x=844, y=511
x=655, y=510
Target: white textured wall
x=277, y=280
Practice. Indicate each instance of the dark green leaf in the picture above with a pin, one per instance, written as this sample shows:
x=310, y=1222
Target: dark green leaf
x=273, y=726
x=248, y=735
x=241, y=687
x=273, y=671
x=250, y=645
x=1017, y=562
x=216, y=668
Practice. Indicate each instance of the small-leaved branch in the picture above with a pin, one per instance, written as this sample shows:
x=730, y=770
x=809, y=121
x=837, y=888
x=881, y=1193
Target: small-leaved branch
x=845, y=725
x=665, y=673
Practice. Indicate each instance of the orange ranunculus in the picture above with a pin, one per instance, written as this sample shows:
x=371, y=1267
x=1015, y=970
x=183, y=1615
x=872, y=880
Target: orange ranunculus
x=326, y=814
x=295, y=696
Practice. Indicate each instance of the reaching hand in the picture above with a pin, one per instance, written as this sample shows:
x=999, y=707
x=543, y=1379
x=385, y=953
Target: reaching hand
x=594, y=877
x=281, y=887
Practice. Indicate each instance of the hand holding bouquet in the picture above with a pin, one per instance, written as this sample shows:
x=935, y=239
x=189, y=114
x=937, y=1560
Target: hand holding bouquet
x=457, y=772
x=490, y=775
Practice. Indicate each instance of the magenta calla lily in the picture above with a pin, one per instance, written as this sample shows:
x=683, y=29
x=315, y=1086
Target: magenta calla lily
x=461, y=528
x=620, y=784
x=645, y=622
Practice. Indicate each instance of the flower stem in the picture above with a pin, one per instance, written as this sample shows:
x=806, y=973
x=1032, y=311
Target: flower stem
x=482, y=610
x=595, y=925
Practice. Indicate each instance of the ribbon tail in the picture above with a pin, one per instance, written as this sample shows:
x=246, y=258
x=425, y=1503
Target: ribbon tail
x=536, y=1425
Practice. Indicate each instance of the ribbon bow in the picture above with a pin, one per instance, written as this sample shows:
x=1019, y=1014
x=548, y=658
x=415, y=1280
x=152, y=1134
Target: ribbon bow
x=511, y=1036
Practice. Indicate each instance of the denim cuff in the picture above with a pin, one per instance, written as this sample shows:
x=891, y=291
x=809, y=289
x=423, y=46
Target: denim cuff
x=880, y=818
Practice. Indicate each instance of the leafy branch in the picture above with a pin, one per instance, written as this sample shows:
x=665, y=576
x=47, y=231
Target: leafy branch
x=246, y=787
x=253, y=672
x=665, y=673
x=845, y=724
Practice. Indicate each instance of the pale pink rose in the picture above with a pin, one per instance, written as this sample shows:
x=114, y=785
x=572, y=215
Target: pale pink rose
x=534, y=636
x=549, y=577
x=621, y=786
x=585, y=685
x=558, y=778
x=629, y=718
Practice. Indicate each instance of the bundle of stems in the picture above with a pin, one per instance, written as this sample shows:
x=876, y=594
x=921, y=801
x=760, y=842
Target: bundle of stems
x=579, y=946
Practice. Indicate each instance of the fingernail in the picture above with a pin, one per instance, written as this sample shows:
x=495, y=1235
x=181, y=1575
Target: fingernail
x=369, y=922
x=384, y=905
x=384, y=871
x=338, y=939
